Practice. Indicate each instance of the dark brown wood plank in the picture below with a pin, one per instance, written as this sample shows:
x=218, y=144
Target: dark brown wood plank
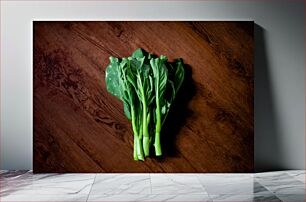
x=80, y=127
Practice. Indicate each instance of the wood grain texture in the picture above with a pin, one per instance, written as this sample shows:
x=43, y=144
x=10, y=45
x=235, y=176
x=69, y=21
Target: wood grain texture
x=80, y=127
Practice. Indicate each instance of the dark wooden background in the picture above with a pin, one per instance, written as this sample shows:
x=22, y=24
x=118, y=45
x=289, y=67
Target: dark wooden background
x=80, y=127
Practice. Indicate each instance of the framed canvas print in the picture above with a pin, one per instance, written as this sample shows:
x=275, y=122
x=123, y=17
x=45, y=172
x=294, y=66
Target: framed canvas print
x=143, y=96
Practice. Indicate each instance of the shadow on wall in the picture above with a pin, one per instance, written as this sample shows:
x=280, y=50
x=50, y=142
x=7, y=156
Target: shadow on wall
x=268, y=153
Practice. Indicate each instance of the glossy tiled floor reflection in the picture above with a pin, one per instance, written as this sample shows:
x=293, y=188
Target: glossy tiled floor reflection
x=270, y=186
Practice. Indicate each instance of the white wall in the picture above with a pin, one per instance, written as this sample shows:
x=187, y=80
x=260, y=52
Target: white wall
x=279, y=67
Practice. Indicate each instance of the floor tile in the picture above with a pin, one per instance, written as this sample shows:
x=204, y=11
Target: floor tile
x=287, y=186
x=298, y=175
x=175, y=184
x=291, y=197
x=183, y=197
x=245, y=198
x=271, y=175
x=42, y=198
x=260, y=189
x=13, y=180
x=15, y=175
x=261, y=193
x=231, y=198
x=281, y=183
x=3, y=171
x=121, y=184
x=216, y=184
x=151, y=197
x=46, y=184
x=265, y=198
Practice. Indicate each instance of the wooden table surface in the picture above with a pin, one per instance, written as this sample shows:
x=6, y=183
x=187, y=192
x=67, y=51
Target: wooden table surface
x=80, y=127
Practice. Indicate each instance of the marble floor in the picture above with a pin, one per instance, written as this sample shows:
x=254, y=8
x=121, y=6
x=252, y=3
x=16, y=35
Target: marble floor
x=269, y=186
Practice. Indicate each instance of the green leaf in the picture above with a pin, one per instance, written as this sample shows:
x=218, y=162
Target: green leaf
x=127, y=110
x=138, y=53
x=179, y=75
x=160, y=74
x=112, y=78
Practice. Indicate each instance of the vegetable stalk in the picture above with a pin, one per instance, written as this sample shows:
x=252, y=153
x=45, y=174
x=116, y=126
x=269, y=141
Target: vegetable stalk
x=157, y=145
x=138, y=81
x=146, y=146
x=138, y=153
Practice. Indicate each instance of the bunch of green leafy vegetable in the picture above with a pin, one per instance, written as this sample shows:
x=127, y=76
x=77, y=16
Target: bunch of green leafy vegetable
x=147, y=86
